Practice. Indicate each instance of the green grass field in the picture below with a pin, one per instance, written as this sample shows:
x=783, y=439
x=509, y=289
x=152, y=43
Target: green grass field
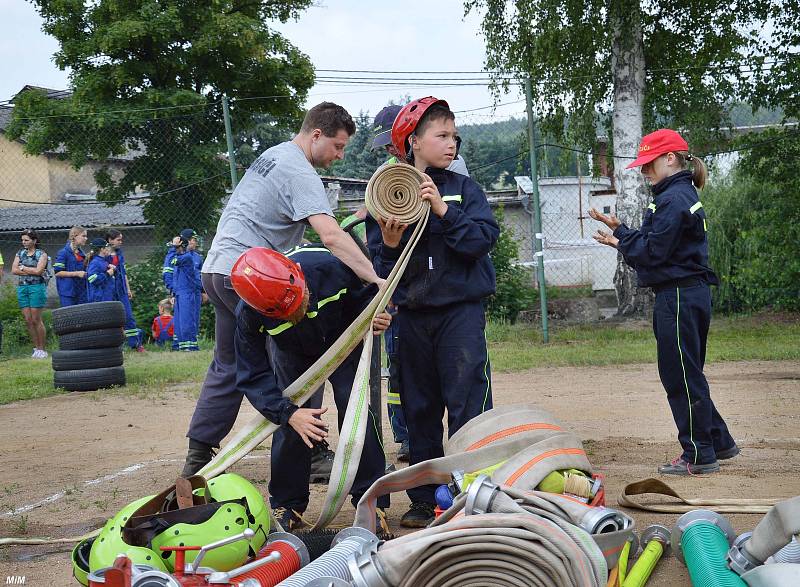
x=512, y=348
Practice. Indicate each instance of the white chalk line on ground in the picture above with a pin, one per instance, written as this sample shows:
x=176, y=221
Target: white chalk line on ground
x=105, y=478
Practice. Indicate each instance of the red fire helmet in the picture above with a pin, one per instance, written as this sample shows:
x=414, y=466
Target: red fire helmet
x=406, y=122
x=268, y=282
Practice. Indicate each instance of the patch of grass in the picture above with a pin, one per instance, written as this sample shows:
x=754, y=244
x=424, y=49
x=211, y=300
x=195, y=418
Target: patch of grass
x=736, y=338
x=147, y=374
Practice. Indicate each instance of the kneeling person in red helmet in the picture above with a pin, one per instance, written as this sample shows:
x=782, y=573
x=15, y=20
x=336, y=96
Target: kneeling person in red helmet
x=293, y=308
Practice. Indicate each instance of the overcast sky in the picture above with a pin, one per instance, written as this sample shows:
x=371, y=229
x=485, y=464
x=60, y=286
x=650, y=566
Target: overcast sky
x=412, y=35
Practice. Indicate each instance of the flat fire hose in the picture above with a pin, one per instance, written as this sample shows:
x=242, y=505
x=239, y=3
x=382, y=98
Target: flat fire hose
x=392, y=191
x=528, y=441
x=722, y=506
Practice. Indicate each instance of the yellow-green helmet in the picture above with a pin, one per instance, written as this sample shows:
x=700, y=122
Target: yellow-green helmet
x=226, y=519
x=109, y=543
x=232, y=486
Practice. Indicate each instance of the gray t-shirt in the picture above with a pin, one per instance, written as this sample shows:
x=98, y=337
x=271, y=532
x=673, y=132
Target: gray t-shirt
x=267, y=209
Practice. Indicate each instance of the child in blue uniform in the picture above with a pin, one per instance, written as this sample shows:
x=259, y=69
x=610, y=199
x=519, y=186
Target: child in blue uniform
x=187, y=288
x=70, y=269
x=444, y=362
x=122, y=290
x=100, y=274
x=670, y=254
x=333, y=297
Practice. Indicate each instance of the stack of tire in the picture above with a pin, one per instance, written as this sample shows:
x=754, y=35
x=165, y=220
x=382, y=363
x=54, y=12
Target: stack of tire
x=90, y=338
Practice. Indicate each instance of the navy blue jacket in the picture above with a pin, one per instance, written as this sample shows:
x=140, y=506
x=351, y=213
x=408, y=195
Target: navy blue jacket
x=672, y=243
x=101, y=284
x=336, y=297
x=69, y=260
x=451, y=263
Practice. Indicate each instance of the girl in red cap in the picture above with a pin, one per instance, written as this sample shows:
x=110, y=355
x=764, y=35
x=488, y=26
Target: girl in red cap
x=670, y=254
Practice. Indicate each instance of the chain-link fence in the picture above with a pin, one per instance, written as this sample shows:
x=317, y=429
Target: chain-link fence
x=159, y=171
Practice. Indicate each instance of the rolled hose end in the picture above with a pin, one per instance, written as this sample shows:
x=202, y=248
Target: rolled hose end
x=660, y=533
x=480, y=495
x=298, y=545
x=602, y=520
x=366, y=570
x=362, y=535
x=696, y=517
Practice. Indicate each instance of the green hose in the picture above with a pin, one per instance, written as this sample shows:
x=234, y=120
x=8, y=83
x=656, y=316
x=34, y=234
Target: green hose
x=704, y=547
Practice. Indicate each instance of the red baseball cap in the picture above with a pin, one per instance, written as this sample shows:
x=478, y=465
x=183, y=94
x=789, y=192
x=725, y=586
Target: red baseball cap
x=658, y=143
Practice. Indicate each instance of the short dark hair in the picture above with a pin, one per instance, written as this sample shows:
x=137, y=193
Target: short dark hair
x=31, y=234
x=436, y=112
x=112, y=233
x=330, y=118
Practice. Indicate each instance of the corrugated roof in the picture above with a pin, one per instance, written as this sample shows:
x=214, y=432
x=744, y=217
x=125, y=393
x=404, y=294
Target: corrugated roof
x=89, y=215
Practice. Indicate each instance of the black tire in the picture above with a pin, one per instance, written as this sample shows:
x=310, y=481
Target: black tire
x=89, y=379
x=88, y=317
x=92, y=339
x=87, y=359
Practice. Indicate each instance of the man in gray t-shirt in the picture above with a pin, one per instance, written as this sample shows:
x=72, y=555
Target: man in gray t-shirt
x=277, y=198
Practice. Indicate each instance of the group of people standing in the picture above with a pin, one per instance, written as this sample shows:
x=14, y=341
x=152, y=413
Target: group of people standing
x=98, y=275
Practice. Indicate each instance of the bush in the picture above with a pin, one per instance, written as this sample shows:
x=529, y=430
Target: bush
x=754, y=228
x=514, y=290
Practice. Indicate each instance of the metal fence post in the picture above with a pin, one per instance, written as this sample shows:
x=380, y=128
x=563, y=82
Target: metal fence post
x=536, y=216
x=229, y=136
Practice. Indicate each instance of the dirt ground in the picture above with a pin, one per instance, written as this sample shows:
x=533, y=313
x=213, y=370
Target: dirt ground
x=69, y=462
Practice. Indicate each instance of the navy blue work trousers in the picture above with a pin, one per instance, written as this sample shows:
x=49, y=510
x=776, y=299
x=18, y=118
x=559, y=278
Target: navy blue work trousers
x=444, y=365
x=681, y=318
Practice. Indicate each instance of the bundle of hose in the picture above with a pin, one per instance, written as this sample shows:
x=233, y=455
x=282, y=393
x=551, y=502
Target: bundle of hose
x=348, y=543
x=394, y=191
x=272, y=573
x=705, y=547
x=504, y=550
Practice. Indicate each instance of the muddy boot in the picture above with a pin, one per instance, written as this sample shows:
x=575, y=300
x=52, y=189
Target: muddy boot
x=321, y=463
x=199, y=454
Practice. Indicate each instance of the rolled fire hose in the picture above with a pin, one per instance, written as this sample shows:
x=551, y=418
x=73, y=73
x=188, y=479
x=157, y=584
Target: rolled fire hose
x=655, y=543
x=349, y=542
x=722, y=506
x=508, y=537
x=489, y=549
x=701, y=540
x=393, y=190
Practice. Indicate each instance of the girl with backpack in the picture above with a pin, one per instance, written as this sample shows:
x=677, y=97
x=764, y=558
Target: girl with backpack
x=30, y=265
x=101, y=275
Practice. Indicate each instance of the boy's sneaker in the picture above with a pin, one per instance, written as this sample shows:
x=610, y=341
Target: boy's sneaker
x=289, y=519
x=728, y=453
x=39, y=354
x=402, y=452
x=140, y=349
x=419, y=515
x=680, y=467
x=321, y=462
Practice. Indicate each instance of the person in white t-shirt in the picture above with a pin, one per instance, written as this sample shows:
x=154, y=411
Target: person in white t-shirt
x=279, y=195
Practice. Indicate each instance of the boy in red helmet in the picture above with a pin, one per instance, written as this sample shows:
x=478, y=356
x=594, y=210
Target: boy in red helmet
x=444, y=363
x=293, y=307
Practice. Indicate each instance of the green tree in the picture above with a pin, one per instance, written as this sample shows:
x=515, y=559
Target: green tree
x=513, y=291
x=147, y=80
x=651, y=64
